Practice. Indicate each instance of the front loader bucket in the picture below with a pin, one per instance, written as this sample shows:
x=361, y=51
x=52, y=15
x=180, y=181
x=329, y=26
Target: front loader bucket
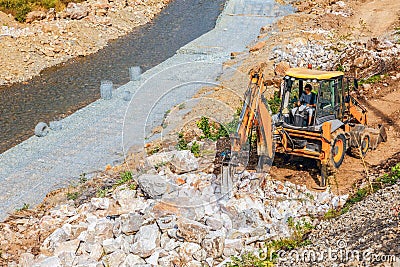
x=376, y=136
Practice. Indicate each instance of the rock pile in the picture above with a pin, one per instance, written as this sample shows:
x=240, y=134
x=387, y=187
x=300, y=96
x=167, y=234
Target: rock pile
x=300, y=54
x=364, y=59
x=174, y=219
x=370, y=58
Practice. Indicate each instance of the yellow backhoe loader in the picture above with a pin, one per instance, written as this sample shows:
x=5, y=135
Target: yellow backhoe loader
x=333, y=125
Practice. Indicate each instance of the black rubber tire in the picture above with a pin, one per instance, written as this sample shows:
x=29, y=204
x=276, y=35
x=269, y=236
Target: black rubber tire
x=340, y=139
x=328, y=171
x=364, y=143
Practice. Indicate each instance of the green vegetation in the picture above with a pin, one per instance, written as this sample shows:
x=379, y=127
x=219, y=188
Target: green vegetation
x=372, y=79
x=275, y=103
x=249, y=259
x=125, y=177
x=20, y=8
x=300, y=229
x=387, y=179
x=82, y=178
x=133, y=186
x=268, y=255
x=159, y=165
x=215, y=131
x=182, y=143
x=24, y=207
x=72, y=196
x=181, y=106
x=340, y=67
x=195, y=149
x=310, y=196
x=154, y=150
x=102, y=192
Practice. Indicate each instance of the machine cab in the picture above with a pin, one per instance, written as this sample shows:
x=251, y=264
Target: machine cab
x=303, y=106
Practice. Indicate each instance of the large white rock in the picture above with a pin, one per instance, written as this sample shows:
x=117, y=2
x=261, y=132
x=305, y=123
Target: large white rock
x=110, y=245
x=153, y=186
x=76, y=11
x=213, y=244
x=26, y=259
x=51, y=262
x=98, y=230
x=192, y=231
x=100, y=203
x=96, y=251
x=86, y=261
x=187, y=250
x=69, y=246
x=131, y=223
x=146, y=240
x=182, y=161
x=59, y=235
x=66, y=258
x=132, y=260
x=115, y=258
x=153, y=259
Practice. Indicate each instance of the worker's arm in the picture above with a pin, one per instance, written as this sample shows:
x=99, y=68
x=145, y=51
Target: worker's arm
x=301, y=100
x=312, y=101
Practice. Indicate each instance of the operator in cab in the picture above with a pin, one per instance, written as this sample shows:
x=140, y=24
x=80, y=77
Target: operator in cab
x=306, y=103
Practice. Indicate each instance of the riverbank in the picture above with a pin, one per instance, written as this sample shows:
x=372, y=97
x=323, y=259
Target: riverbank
x=63, y=89
x=53, y=38
x=91, y=138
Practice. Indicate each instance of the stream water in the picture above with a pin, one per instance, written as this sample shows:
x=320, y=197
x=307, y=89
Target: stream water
x=65, y=88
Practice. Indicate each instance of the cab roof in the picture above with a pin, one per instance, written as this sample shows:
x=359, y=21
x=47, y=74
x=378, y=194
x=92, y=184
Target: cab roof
x=303, y=73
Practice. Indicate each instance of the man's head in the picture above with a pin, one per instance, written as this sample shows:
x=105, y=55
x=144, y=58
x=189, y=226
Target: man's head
x=308, y=88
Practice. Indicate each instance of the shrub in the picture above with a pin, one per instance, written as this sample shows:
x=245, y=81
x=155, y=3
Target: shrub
x=372, y=79
x=26, y=206
x=215, y=131
x=18, y=8
x=182, y=143
x=275, y=103
x=72, y=196
x=195, y=149
x=124, y=178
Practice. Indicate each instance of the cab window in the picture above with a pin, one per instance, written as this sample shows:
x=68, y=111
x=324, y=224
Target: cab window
x=326, y=102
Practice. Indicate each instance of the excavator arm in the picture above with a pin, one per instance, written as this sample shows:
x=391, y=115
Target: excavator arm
x=255, y=114
x=357, y=111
